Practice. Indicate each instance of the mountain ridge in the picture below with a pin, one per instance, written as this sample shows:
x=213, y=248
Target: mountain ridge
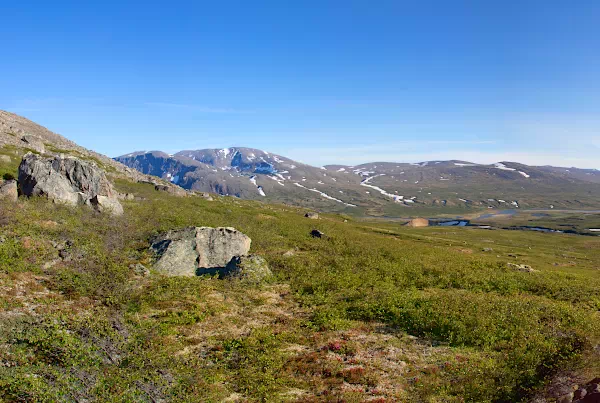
x=256, y=174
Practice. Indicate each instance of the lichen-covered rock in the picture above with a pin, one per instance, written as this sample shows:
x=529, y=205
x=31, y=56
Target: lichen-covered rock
x=67, y=180
x=252, y=268
x=8, y=190
x=198, y=250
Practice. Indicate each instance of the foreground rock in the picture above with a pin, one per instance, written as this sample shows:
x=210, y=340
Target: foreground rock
x=8, y=190
x=68, y=180
x=198, y=250
x=418, y=222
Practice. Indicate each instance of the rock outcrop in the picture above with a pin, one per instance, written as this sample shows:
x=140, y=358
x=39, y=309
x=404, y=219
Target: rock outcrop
x=198, y=250
x=67, y=180
x=34, y=143
x=418, y=222
x=8, y=190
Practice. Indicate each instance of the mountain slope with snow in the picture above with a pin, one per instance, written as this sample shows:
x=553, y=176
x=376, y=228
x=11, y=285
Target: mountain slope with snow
x=379, y=188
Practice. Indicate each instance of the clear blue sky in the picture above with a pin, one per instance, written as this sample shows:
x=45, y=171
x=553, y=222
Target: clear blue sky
x=320, y=81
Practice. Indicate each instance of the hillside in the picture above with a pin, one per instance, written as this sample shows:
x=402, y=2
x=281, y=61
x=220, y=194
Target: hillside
x=362, y=311
x=373, y=311
x=376, y=189
x=19, y=135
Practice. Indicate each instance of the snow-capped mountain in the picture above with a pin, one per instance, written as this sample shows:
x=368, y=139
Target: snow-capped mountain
x=377, y=188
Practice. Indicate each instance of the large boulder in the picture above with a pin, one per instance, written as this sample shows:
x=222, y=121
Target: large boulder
x=67, y=180
x=198, y=250
x=8, y=190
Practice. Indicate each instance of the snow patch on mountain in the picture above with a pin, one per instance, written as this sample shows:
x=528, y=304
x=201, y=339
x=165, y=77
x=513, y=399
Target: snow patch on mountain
x=524, y=174
x=325, y=195
x=503, y=167
x=365, y=182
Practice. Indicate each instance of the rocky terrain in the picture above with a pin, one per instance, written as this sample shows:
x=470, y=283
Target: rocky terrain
x=119, y=286
x=19, y=135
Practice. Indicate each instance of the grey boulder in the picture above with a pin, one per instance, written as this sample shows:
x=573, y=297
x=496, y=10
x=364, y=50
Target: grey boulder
x=198, y=250
x=67, y=180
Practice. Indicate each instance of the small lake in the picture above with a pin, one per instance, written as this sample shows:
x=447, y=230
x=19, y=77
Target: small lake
x=454, y=223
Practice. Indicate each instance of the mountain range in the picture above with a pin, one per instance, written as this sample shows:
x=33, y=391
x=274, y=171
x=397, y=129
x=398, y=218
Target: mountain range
x=386, y=189
x=378, y=188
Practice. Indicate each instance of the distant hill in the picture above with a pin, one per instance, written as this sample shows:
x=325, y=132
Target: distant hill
x=378, y=188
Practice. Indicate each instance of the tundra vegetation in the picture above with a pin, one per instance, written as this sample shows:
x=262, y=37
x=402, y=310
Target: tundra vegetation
x=373, y=311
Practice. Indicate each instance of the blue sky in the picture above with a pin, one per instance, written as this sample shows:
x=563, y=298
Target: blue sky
x=320, y=81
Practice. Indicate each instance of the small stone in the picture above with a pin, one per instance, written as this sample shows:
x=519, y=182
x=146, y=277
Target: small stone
x=50, y=264
x=4, y=158
x=312, y=215
x=487, y=249
x=580, y=393
x=289, y=253
x=65, y=255
x=317, y=234
x=568, y=398
x=521, y=267
x=139, y=269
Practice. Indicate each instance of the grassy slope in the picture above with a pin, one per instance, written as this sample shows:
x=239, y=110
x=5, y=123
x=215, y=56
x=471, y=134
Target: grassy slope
x=374, y=311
